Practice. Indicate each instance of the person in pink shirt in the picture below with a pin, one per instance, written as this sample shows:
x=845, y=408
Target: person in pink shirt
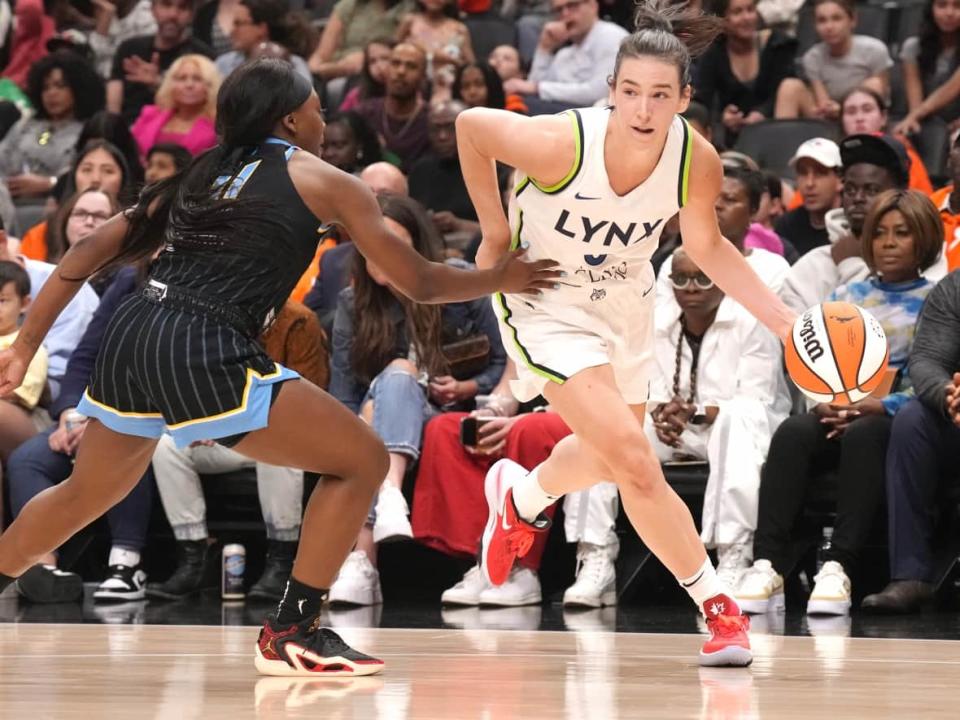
x=185, y=108
x=33, y=27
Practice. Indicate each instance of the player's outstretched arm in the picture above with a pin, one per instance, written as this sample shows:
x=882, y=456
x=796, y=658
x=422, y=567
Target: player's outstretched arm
x=80, y=261
x=342, y=198
x=717, y=256
x=540, y=147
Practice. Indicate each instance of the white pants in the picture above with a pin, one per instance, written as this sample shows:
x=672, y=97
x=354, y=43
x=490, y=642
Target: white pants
x=735, y=446
x=590, y=515
x=178, y=480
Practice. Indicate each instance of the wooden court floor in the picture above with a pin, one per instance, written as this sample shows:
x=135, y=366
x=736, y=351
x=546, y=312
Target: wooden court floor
x=151, y=672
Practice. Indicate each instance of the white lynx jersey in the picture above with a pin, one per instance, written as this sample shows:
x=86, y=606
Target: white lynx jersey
x=599, y=238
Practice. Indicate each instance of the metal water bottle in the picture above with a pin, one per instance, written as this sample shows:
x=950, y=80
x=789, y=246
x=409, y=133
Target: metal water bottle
x=234, y=563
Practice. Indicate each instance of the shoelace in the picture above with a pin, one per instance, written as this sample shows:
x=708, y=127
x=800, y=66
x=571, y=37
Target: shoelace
x=356, y=564
x=332, y=643
x=592, y=566
x=728, y=626
x=519, y=542
x=731, y=559
x=829, y=571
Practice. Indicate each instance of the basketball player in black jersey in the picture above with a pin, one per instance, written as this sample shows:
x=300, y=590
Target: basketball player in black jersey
x=237, y=229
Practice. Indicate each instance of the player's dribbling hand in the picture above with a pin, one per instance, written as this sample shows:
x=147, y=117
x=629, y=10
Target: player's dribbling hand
x=520, y=277
x=13, y=367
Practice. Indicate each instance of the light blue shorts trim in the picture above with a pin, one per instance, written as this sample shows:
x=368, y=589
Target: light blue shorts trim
x=252, y=414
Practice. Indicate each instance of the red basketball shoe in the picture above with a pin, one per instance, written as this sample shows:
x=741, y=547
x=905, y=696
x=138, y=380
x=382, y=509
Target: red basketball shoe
x=307, y=650
x=507, y=536
x=729, y=643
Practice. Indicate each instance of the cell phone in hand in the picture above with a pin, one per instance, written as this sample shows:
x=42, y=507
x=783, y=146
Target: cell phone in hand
x=470, y=430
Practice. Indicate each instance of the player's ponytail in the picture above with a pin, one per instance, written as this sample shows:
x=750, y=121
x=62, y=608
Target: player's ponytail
x=669, y=32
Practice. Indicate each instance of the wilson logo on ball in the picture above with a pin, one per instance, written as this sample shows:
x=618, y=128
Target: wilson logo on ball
x=837, y=353
x=810, y=343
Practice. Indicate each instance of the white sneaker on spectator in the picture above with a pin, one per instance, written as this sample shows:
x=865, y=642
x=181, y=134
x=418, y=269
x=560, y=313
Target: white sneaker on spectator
x=467, y=591
x=732, y=563
x=831, y=591
x=393, y=516
x=521, y=588
x=596, y=583
x=358, y=582
x=761, y=589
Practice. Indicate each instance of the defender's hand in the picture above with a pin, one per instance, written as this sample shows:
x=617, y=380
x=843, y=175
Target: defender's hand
x=517, y=276
x=13, y=368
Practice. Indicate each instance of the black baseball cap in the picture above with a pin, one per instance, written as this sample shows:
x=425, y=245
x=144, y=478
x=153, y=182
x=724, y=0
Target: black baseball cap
x=882, y=150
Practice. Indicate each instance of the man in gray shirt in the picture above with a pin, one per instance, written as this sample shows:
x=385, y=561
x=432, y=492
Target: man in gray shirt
x=923, y=454
x=575, y=56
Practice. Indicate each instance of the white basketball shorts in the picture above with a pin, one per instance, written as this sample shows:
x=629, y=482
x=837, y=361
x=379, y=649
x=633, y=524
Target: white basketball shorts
x=552, y=342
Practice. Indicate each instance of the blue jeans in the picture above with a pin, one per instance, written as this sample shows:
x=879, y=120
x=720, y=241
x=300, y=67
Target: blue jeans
x=400, y=410
x=33, y=467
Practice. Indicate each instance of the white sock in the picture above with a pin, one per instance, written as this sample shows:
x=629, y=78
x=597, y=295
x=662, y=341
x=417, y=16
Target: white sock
x=530, y=498
x=704, y=584
x=121, y=556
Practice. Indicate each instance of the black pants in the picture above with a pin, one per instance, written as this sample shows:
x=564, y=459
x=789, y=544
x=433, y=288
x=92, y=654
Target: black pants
x=800, y=453
x=33, y=467
x=924, y=456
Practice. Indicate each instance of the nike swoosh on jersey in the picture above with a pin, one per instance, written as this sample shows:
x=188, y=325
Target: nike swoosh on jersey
x=578, y=196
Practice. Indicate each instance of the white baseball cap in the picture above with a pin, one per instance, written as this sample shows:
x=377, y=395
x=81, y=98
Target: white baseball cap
x=820, y=150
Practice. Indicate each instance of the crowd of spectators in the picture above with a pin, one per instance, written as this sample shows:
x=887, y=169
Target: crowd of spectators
x=98, y=98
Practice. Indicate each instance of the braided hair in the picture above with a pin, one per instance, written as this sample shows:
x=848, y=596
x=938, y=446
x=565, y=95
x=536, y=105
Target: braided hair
x=694, y=363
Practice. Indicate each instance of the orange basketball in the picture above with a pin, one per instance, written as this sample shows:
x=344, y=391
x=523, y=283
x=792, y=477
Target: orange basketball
x=837, y=353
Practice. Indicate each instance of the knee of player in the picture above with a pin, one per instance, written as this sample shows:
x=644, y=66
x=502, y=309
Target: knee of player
x=637, y=468
x=379, y=461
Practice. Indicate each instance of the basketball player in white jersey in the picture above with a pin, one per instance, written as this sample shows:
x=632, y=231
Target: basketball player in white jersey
x=598, y=186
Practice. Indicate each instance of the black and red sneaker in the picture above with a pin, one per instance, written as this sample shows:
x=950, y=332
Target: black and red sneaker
x=307, y=650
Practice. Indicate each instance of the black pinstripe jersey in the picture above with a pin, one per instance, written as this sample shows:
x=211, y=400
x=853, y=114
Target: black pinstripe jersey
x=257, y=283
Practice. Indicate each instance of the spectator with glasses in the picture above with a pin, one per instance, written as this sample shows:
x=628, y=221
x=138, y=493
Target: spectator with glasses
x=717, y=395
x=77, y=218
x=738, y=202
x=573, y=60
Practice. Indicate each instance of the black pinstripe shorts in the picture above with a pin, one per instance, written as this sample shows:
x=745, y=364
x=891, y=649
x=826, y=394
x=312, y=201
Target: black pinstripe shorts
x=164, y=369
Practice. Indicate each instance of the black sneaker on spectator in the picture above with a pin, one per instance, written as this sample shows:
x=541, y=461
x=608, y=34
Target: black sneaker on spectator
x=189, y=576
x=47, y=584
x=123, y=583
x=276, y=571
